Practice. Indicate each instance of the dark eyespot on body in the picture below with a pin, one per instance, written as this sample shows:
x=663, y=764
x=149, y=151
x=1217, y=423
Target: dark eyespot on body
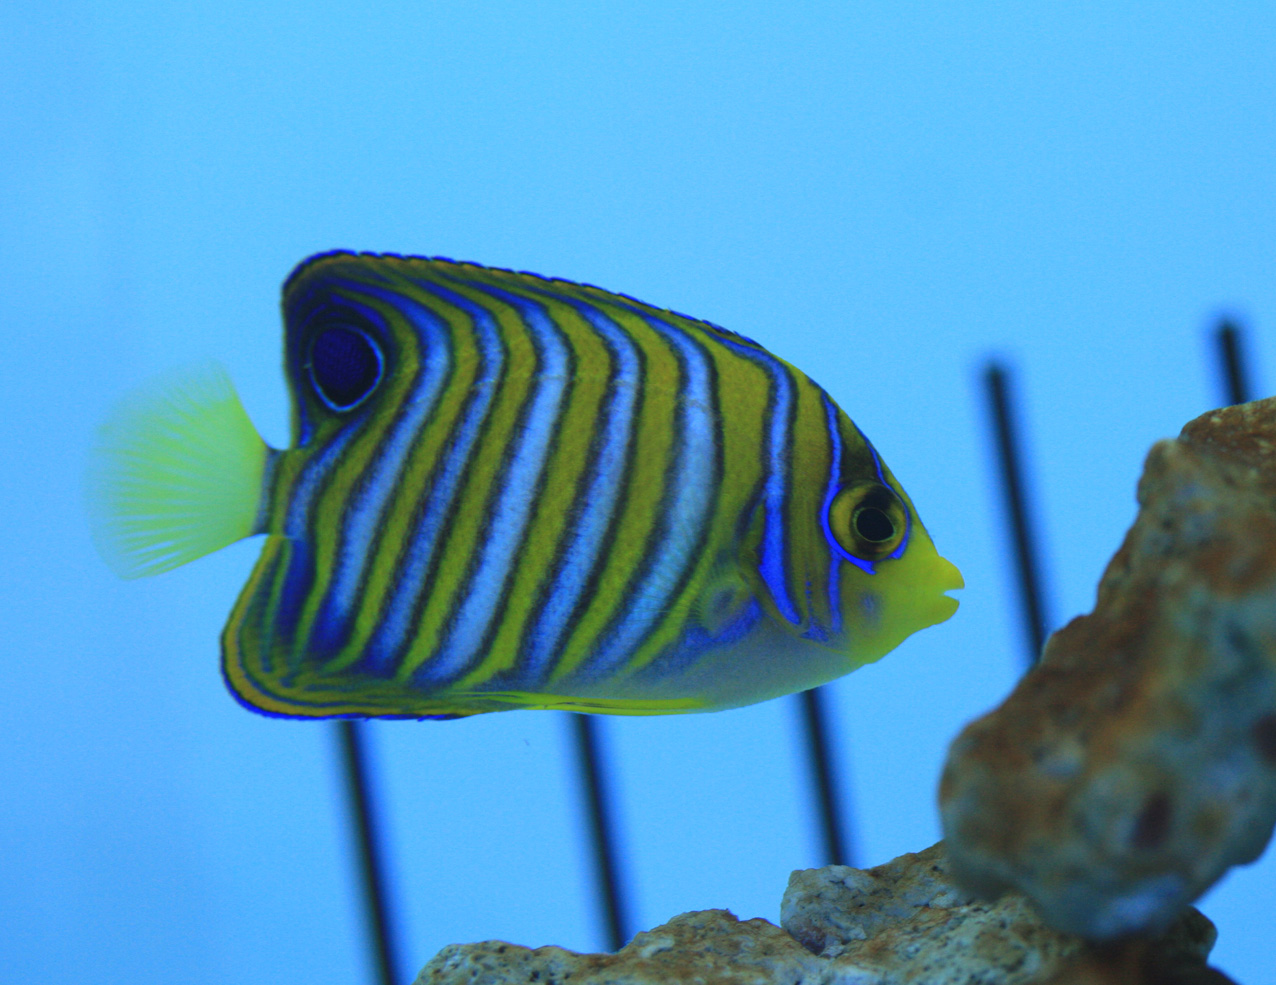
x=345, y=366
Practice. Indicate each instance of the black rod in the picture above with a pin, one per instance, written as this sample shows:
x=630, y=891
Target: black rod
x=380, y=926
x=836, y=843
x=1021, y=527
x=602, y=830
x=1235, y=379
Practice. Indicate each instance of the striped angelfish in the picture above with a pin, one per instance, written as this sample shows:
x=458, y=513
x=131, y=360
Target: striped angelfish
x=505, y=491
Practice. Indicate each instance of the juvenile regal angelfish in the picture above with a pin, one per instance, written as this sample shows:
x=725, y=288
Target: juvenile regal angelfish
x=505, y=491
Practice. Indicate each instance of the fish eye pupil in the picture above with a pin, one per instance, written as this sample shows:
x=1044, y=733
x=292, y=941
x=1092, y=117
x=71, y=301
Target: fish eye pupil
x=873, y=525
x=345, y=366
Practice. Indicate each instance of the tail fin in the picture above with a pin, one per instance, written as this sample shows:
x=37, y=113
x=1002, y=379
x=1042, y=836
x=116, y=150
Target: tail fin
x=178, y=472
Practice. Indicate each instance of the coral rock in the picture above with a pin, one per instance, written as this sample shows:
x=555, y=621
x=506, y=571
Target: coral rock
x=1137, y=761
x=902, y=923
x=706, y=946
x=906, y=923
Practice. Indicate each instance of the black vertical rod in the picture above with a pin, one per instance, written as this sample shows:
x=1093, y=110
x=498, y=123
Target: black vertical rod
x=826, y=794
x=1235, y=378
x=380, y=926
x=598, y=806
x=1011, y=468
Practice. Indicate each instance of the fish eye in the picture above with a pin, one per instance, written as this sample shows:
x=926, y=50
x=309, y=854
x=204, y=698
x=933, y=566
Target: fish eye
x=345, y=366
x=873, y=525
x=867, y=520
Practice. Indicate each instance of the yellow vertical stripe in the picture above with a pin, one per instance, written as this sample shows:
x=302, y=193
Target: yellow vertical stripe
x=741, y=392
x=464, y=538
x=565, y=471
x=328, y=515
x=422, y=465
x=639, y=517
x=810, y=454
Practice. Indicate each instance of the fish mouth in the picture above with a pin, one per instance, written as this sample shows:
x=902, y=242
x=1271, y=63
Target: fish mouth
x=950, y=579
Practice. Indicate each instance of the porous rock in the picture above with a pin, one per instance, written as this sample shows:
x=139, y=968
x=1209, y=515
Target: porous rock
x=902, y=923
x=907, y=923
x=1137, y=762
x=708, y=946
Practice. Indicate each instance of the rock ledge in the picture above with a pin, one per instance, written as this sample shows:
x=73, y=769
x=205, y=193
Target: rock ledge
x=903, y=923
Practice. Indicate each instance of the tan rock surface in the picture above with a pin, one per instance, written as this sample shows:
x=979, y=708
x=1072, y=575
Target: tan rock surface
x=902, y=923
x=709, y=946
x=906, y=922
x=1137, y=762
x=908, y=914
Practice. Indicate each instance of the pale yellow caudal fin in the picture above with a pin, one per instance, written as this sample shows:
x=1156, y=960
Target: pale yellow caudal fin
x=177, y=472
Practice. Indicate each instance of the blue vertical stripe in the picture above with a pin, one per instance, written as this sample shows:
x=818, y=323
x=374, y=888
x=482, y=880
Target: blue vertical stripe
x=597, y=507
x=510, y=510
x=834, y=483
x=397, y=621
x=693, y=485
x=370, y=500
x=776, y=450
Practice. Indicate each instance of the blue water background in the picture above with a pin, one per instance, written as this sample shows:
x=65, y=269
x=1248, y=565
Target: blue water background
x=883, y=193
